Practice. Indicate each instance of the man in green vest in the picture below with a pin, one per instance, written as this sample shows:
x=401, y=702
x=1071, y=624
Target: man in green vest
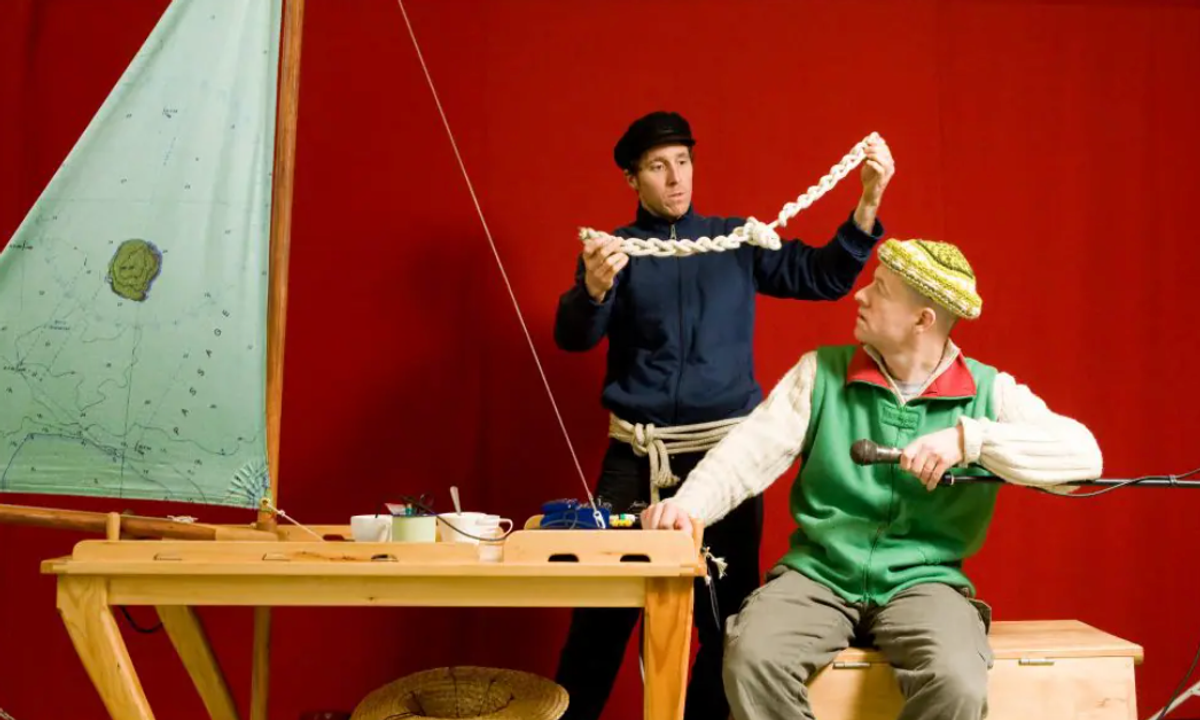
x=877, y=555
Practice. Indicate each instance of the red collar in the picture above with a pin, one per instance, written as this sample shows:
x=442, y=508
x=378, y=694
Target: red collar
x=955, y=382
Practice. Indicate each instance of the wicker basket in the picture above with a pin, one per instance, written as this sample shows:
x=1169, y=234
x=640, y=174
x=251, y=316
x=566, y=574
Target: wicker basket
x=465, y=692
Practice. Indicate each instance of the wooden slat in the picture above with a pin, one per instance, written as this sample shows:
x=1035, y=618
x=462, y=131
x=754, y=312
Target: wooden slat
x=232, y=552
x=324, y=591
x=187, y=634
x=605, y=547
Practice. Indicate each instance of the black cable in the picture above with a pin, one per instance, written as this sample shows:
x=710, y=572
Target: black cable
x=1171, y=479
x=139, y=628
x=1179, y=687
x=427, y=508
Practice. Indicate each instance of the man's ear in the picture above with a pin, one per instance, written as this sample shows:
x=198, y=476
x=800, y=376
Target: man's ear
x=631, y=179
x=927, y=319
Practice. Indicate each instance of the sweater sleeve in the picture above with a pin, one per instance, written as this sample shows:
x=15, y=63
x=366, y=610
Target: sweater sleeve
x=1028, y=444
x=806, y=272
x=581, y=322
x=753, y=455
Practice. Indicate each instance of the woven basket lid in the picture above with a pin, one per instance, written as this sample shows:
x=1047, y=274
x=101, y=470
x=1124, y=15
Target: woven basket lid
x=477, y=693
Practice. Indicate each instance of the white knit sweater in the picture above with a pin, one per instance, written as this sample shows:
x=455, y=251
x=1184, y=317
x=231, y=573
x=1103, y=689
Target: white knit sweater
x=1027, y=444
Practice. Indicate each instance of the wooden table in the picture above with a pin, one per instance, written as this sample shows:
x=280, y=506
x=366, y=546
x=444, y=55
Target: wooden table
x=653, y=570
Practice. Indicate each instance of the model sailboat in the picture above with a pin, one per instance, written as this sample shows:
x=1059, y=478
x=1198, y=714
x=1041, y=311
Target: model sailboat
x=142, y=298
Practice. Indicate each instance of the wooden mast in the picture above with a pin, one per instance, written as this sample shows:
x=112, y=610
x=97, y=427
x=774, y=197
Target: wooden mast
x=281, y=234
x=281, y=230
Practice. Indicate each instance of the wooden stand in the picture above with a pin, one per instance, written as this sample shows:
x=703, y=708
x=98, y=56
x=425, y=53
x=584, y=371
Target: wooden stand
x=653, y=570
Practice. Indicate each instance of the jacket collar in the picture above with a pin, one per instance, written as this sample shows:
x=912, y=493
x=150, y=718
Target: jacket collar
x=654, y=224
x=951, y=379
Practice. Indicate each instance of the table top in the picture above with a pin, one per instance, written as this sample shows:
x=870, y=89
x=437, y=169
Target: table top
x=525, y=553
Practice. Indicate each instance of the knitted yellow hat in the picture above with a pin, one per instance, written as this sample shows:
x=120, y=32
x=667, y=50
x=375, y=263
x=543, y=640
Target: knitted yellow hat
x=936, y=270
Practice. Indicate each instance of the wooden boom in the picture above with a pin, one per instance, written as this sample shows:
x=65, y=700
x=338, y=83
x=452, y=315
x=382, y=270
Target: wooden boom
x=133, y=525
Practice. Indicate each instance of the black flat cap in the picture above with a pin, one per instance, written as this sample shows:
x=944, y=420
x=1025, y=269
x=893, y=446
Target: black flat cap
x=650, y=131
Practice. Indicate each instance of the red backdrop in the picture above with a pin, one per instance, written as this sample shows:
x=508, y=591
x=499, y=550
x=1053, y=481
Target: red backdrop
x=1054, y=141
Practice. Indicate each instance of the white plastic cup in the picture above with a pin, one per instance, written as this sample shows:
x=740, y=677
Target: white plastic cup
x=491, y=528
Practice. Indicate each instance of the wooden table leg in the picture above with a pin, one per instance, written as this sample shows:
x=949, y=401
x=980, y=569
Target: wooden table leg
x=83, y=605
x=191, y=644
x=260, y=669
x=668, y=639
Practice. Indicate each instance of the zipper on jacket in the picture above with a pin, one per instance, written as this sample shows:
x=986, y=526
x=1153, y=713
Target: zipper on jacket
x=682, y=345
x=879, y=533
x=866, y=598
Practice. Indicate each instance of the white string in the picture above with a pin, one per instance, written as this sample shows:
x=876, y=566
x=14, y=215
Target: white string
x=478, y=209
x=267, y=504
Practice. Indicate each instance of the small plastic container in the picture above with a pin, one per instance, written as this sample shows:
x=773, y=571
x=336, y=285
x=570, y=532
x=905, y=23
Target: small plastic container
x=491, y=537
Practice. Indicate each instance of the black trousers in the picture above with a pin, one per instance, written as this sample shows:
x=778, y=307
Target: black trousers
x=596, y=642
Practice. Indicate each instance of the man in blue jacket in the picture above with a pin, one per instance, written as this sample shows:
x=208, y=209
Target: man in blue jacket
x=680, y=374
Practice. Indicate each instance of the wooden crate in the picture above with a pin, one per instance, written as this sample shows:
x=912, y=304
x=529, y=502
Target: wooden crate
x=1044, y=670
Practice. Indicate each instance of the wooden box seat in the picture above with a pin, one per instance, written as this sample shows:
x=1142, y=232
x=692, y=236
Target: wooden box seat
x=1044, y=670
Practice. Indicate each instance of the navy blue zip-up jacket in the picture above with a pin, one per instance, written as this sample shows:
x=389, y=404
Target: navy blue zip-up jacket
x=681, y=330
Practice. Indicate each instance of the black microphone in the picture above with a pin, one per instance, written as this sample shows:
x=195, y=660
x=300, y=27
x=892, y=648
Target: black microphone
x=866, y=452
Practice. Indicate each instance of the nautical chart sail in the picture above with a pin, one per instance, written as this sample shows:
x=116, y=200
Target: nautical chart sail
x=133, y=296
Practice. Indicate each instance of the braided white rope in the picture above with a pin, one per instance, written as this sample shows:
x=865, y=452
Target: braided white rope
x=754, y=232
x=660, y=443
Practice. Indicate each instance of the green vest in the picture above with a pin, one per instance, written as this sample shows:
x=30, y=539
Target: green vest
x=869, y=532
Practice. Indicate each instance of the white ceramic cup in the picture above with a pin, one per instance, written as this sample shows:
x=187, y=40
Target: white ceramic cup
x=468, y=527
x=458, y=526
x=414, y=528
x=371, y=528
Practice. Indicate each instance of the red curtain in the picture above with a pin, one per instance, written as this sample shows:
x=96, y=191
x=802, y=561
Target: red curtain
x=1054, y=141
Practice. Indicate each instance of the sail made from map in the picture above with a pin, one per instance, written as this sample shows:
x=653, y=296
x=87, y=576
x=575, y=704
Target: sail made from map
x=133, y=296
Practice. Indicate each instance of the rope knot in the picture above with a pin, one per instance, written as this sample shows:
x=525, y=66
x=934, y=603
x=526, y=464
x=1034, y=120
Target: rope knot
x=659, y=444
x=643, y=438
x=762, y=235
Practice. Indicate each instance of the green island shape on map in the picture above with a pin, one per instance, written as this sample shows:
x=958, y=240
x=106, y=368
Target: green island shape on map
x=133, y=269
